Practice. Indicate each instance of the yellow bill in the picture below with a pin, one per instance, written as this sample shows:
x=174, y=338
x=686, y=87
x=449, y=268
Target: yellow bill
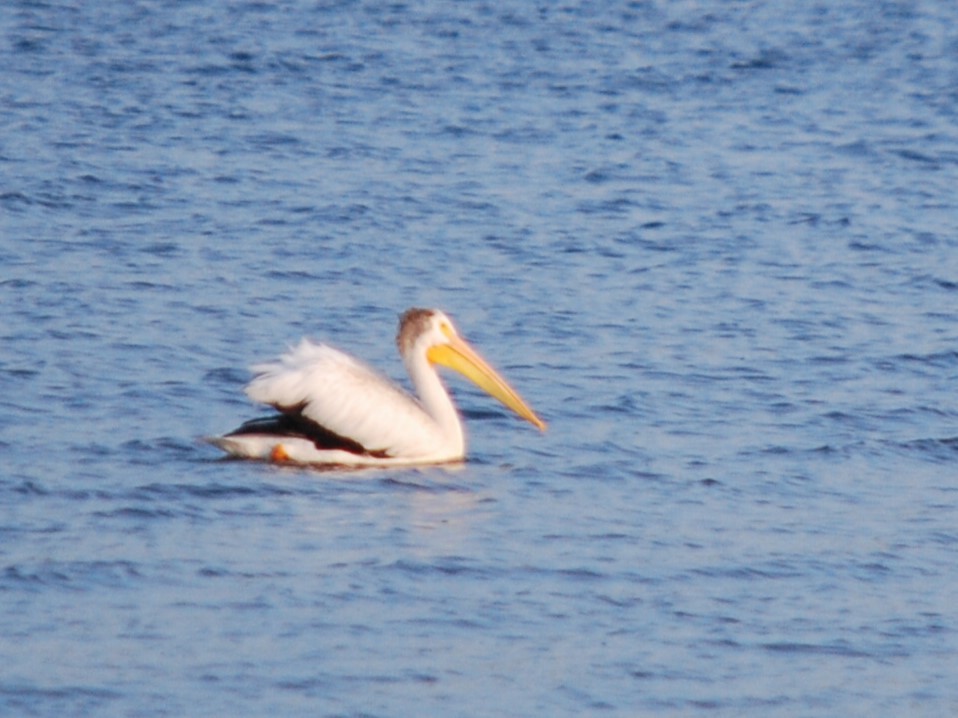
x=459, y=356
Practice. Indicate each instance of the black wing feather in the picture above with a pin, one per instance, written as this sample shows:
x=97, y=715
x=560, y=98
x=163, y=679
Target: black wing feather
x=295, y=424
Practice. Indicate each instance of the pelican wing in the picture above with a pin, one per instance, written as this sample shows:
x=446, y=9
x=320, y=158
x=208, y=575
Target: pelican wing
x=346, y=397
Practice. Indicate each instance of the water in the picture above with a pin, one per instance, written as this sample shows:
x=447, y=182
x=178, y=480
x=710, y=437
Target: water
x=713, y=244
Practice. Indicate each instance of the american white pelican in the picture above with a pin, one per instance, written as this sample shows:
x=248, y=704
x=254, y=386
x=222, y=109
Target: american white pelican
x=336, y=410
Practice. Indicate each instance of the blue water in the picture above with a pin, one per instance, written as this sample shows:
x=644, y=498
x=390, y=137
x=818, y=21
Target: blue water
x=714, y=244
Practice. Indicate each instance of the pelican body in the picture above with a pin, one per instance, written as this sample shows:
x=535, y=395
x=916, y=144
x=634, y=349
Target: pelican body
x=335, y=410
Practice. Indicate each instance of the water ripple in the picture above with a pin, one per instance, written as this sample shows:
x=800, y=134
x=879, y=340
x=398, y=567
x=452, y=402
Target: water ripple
x=714, y=247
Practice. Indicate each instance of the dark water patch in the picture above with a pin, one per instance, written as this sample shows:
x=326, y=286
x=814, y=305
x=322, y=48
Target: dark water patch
x=27, y=530
x=227, y=376
x=776, y=571
x=922, y=626
x=15, y=201
x=766, y=60
x=27, y=488
x=151, y=452
x=272, y=140
x=937, y=360
x=839, y=648
x=576, y=574
x=449, y=566
x=166, y=250
x=617, y=206
x=477, y=414
x=923, y=158
x=31, y=699
x=434, y=481
x=212, y=491
x=142, y=285
x=140, y=514
x=947, y=539
x=937, y=450
x=70, y=575
x=858, y=422
x=19, y=284
x=219, y=572
x=293, y=275
x=620, y=601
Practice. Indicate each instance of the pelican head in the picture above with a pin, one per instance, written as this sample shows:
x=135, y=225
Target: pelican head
x=429, y=333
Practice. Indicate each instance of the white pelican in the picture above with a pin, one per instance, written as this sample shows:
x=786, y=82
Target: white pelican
x=335, y=410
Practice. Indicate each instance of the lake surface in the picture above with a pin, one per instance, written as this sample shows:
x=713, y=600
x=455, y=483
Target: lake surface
x=713, y=244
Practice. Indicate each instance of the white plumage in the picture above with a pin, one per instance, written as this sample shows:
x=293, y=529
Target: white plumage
x=330, y=384
x=335, y=409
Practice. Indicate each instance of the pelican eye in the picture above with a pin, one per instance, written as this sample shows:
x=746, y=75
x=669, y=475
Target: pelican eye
x=447, y=330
